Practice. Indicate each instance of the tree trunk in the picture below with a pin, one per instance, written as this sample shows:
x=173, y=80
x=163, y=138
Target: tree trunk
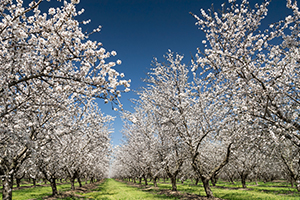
x=154, y=181
x=146, y=181
x=72, y=180
x=292, y=182
x=34, y=182
x=173, y=181
x=53, y=186
x=18, y=181
x=134, y=180
x=214, y=180
x=140, y=180
x=7, y=182
x=207, y=189
x=196, y=181
x=243, y=180
x=79, y=181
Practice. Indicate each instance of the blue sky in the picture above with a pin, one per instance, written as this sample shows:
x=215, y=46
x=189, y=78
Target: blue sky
x=142, y=29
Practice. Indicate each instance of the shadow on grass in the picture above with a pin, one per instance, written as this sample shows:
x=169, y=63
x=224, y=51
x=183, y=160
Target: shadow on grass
x=103, y=190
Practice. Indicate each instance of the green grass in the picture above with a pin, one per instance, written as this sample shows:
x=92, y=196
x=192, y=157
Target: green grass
x=38, y=192
x=112, y=189
x=264, y=191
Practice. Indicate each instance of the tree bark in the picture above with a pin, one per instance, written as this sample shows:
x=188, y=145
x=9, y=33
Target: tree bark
x=207, y=189
x=292, y=182
x=214, y=180
x=7, y=182
x=18, y=181
x=72, y=180
x=173, y=181
x=79, y=181
x=154, y=181
x=34, y=182
x=196, y=181
x=243, y=180
x=53, y=186
x=146, y=181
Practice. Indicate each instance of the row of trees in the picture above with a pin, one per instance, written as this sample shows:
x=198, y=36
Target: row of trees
x=50, y=75
x=78, y=147
x=234, y=110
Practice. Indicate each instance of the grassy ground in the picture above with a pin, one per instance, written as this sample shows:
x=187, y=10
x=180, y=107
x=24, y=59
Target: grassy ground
x=224, y=190
x=37, y=192
x=112, y=189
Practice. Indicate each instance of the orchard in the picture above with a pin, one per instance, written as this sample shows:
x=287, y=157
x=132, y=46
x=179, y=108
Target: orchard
x=231, y=113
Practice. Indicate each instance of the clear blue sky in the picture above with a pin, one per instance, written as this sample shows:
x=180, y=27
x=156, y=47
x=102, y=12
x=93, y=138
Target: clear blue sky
x=142, y=29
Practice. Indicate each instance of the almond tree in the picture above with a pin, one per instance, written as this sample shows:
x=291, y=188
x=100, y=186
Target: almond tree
x=195, y=117
x=290, y=159
x=81, y=136
x=47, y=63
x=261, y=66
x=182, y=120
x=88, y=140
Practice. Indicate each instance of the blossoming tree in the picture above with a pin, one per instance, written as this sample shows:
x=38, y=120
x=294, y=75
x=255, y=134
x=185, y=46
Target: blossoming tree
x=46, y=63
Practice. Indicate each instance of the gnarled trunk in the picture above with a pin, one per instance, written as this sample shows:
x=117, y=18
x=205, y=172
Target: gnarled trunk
x=207, y=189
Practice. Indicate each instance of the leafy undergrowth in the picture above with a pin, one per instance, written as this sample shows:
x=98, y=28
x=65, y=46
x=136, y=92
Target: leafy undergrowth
x=224, y=190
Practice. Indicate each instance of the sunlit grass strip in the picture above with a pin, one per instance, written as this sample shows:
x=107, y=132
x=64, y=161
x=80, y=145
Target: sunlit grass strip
x=112, y=189
x=38, y=192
